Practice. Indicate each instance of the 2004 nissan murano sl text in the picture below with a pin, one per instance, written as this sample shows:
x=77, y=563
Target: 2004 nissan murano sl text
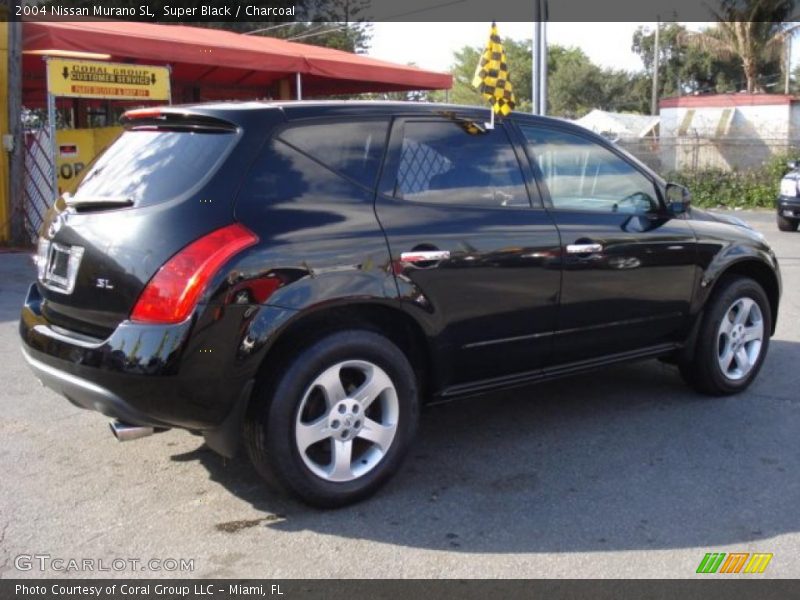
x=302, y=276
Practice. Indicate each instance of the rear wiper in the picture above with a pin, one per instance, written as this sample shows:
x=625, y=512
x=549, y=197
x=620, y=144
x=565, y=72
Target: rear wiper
x=96, y=201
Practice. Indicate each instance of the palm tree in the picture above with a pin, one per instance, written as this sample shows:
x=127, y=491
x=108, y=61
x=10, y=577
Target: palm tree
x=754, y=31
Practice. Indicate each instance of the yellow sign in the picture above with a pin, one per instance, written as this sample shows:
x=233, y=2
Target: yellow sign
x=112, y=81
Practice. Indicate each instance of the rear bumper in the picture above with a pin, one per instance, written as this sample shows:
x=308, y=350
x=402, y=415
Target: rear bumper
x=85, y=394
x=789, y=206
x=148, y=375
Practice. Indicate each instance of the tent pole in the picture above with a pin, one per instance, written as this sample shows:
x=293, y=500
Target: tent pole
x=16, y=161
x=298, y=85
x=169, y=70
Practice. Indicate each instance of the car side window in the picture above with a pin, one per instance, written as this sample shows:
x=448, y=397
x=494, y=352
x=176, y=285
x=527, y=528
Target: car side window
x=352, y=148
x=456, y=163
x=583, y=175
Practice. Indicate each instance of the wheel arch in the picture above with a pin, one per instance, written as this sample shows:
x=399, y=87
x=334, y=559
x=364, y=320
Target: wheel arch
x=379, y=317
x=759, y=271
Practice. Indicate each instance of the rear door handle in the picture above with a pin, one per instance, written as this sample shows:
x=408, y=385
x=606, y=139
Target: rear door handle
x=584, y=248
x=418, y=256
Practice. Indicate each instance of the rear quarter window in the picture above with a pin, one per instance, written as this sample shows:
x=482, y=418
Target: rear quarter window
x=153, y=166
x=351, y=148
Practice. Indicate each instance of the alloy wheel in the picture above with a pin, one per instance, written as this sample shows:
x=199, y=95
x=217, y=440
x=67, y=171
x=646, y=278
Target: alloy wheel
x=739, y=338
x=347, y=420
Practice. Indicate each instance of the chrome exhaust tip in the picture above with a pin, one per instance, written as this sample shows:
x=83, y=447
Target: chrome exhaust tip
x=125, y=433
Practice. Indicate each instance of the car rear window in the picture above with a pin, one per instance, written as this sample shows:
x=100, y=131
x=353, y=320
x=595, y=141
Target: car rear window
x=152, y=166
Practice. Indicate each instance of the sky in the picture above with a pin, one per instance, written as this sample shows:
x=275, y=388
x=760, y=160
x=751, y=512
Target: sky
x=400, y=42
x=431, y=45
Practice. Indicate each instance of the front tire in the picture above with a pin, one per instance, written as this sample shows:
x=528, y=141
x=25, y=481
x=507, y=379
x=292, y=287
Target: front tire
x=334, y=423
x=733, y=339
x=785, y=224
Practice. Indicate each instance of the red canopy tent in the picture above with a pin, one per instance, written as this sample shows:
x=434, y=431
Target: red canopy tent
x=211, y=64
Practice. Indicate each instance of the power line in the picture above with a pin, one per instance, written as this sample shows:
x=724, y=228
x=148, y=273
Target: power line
x=254, y=31
x=311, y=29
x=308, y=35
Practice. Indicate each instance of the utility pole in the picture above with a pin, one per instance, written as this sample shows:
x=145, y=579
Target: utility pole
x=657, y=49
x=543, y=60
x=539, y=59
x=535, y=61
x=788, y=64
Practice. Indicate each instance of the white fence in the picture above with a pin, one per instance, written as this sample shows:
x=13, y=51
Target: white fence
x=689, y=153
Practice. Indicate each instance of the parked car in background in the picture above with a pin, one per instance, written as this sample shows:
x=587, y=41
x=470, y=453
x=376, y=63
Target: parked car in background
x=305, y=276
x=789, y=200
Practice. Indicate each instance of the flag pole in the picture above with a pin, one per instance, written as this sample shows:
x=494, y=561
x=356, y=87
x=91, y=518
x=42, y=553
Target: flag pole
x=490, y=124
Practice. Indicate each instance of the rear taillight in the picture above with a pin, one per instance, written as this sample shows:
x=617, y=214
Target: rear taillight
x=174, y=290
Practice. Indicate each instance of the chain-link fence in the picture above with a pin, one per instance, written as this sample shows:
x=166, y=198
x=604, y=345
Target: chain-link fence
x=38, y=183
x=689, y=153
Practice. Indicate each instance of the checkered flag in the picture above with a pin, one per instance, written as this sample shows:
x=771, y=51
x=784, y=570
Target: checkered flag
x=492, y=77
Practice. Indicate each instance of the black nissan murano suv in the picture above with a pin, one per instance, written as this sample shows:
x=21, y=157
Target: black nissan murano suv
x=302, y=277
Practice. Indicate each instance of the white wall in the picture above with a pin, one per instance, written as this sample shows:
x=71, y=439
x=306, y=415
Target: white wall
x=754, y=133
x=765, y=122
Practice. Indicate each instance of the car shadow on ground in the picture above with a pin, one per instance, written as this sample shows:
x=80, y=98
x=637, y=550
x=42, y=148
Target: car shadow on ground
x=622, y=458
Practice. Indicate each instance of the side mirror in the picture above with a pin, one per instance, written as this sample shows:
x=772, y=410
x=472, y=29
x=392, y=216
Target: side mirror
x=792, y=164
x=678, y=198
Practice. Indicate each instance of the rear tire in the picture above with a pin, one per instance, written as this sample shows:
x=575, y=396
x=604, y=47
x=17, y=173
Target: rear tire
x=785, y=224
x=334, y=423
x=733, y=339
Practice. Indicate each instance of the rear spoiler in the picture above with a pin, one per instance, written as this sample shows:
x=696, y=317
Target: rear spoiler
x=150, y=118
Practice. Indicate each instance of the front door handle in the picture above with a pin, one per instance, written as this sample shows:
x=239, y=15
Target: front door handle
x=421, y=256
x=592, y=248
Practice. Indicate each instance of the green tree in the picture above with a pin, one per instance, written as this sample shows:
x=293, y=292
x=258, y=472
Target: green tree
x=626, y=92
x=685, y=69
x=575, y=84
x=752, y=31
